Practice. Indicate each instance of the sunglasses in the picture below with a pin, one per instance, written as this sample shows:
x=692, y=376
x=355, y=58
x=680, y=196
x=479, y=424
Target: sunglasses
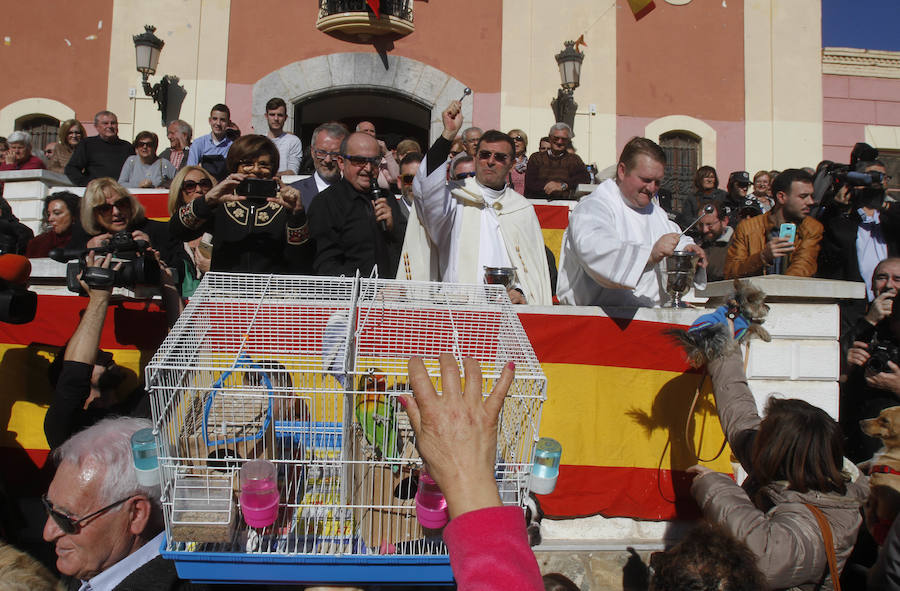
x=106, y=208
x=518, y=138
x=499, y=157
x=144, y=144
x=362, y=160
x=407, y=179
x=192, y=185
x=463, y=175
x=73, y=526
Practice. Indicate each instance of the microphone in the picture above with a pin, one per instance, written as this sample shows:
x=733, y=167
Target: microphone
x=377, y=193
x=15, y=268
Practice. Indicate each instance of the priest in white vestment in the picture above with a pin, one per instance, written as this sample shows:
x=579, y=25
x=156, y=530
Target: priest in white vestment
x=615, y=246
x=481, y=222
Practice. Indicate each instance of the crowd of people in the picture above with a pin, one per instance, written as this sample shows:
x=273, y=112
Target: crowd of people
x=447, y=213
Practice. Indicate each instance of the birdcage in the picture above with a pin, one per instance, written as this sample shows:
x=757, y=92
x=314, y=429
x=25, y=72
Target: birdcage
x=305, y=372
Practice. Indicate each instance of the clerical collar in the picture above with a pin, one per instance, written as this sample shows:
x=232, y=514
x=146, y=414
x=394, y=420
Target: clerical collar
x=491, y=195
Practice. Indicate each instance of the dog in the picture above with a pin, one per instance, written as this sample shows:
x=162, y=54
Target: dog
x=883, y=503
x=533, y=517
x=708, y=337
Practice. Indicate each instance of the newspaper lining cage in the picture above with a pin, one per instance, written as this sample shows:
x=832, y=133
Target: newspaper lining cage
x=305, y=372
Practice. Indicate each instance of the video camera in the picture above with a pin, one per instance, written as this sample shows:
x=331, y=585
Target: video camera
x=17, y=304
x=138, y=266
x=834, y=176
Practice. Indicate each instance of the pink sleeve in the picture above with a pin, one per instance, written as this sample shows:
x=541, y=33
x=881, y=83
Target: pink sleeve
x=489, y=551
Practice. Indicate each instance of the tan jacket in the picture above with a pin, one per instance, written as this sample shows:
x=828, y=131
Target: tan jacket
x=745, y=251
x=784, y=535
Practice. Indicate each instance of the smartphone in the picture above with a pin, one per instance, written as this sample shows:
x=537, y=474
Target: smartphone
x=788, y=231
x=257, y=189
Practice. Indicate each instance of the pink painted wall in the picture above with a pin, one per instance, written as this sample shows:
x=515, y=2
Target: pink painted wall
x=729, y=141
x=239, y=98
x=849, y=103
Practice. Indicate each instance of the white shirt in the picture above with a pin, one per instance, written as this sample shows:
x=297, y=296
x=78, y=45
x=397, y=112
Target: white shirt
x=870, y=247
x=491, y=248
x=606, y=249
x=321, y=184
x=290, y=150
x=108, y=579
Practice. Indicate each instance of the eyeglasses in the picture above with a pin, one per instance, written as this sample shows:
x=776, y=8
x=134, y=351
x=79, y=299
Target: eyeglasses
x=556, y=139
x=362, y=160
x=323, y=154
x=73, y=526
x=106, y=208
x=144, y=144
x=260, y=164
x=189, y=186
x=462, y=175
x=499, y=157
x=407, y=179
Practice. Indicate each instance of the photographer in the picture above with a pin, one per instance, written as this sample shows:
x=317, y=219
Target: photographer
x=252, y=233
x=873, y=381
x=107, y=208
x=86, y=378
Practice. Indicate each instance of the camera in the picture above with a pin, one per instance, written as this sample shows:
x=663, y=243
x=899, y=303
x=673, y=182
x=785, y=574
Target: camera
x=138, y=266
x=880, y=352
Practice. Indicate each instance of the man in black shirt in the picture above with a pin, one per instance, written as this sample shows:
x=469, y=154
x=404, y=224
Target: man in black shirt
x=353, y=230
x=100, y=155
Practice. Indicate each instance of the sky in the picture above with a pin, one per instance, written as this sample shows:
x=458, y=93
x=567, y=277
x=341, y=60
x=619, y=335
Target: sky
x=864, y=24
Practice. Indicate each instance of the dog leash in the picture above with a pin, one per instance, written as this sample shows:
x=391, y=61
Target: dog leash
x=690, y=415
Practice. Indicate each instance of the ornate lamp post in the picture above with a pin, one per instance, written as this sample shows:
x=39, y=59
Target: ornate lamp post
x=147, y=48
x=564, y=105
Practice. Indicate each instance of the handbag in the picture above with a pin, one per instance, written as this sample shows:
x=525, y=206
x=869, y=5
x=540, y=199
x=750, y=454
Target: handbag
x=829, y=545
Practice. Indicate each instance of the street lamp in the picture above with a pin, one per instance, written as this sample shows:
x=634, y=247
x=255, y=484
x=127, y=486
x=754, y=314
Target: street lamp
x=564, y=105
x=147, y=48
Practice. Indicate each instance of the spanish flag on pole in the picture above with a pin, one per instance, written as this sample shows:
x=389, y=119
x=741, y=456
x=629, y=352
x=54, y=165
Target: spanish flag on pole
x=641, y=8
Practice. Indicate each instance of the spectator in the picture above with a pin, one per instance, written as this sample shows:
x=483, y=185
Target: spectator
x=290, y=149
x=706, y=188
x=146, y=170
x=19, y=156
x=419, y=257
x=867, y=392
x=352, y=232
x=193, y=260
x=736, y=198
x=60, y=219
x=556, y=173
x=715, y=235
x=407, y=146
x=209, y=150
x=71, y=132
x=462, y=166
x=456, y=436
x=101, y=155
x=115, y=543
x=481, y=222
x=757, y=249
x=408, y=168
x=794, y=458
x=457, y=147
x=326, y=149
x=708, y=558
x=544, y=144
x=470, y=138
x=249, y=235
x=517, y=174
x=49, y=149
x=179, y=134
x=108, y=208
x=618, y=238
x=762, y=184
x=388, y=168
x=4, y=148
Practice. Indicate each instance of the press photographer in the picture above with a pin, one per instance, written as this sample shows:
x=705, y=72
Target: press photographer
x=873, y=381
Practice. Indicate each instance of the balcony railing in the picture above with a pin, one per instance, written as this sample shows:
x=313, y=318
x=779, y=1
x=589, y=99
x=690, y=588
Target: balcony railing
x=354, y=17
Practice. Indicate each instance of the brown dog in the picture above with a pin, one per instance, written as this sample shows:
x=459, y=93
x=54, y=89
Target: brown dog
x=883, y=504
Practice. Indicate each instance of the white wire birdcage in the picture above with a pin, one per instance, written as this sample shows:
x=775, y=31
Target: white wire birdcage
x=306, y=372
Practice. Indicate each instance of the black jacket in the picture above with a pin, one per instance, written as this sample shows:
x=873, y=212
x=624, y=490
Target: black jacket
x=94, y=158
x=248, y=237
x=837, y=255
x=347, y=237
x=157, y=575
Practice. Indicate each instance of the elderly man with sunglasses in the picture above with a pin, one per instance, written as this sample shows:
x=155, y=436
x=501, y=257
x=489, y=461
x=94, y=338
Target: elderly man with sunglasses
x=354, y=228
x=105, y=525
x=480, y=222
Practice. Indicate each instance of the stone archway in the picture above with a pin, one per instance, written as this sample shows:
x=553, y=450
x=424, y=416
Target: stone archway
x=410, y=78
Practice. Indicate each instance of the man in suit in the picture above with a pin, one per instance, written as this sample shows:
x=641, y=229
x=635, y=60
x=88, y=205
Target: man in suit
x=325, y=150
x=107, y=527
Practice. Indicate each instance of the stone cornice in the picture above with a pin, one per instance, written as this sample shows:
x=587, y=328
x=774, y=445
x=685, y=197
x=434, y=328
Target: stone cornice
x=849, y=61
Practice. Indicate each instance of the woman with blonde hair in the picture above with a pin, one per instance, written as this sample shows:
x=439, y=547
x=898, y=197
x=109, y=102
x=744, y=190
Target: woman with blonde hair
x=193, y=259
x=517, y=173
x=71, y=132
x=107, y=208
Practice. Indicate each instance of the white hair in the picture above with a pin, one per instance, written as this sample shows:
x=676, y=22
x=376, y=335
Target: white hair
x=108, y=443
x=561, y=127
x=19, y=137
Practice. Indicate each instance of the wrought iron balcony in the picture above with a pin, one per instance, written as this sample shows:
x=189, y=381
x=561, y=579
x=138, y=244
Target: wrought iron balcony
x=354, y=17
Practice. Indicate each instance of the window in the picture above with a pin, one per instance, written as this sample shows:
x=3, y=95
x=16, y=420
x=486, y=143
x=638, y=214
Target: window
x=682, y=160
x=43, y=130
